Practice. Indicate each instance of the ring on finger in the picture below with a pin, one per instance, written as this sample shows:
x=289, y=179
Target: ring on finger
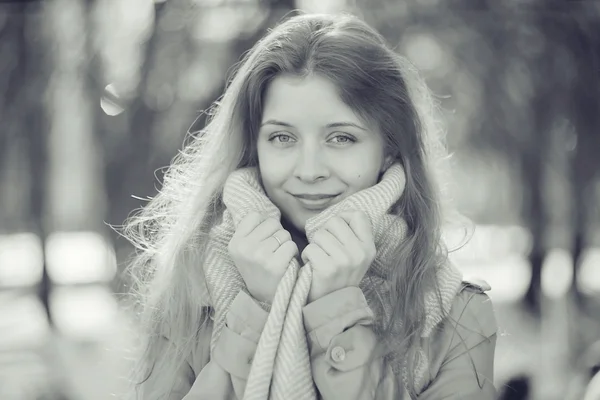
x=278, y=240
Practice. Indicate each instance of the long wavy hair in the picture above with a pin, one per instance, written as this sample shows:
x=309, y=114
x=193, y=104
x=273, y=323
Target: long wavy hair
x=171, y=230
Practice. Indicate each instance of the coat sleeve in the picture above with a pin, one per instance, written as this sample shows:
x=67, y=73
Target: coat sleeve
x=346, y=363
x=342, y=345
x=238, y=341
x=461, y=353
x=223, y=377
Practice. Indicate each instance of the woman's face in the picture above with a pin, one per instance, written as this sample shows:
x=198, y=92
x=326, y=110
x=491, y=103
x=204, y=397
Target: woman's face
x=313, y=150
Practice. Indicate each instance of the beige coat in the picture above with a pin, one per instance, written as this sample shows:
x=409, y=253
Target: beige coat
x=340, y=340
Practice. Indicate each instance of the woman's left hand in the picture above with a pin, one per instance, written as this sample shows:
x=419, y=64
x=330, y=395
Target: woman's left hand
x=340, y=253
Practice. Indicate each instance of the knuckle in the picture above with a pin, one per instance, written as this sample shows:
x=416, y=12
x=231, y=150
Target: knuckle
x=271, y=221
x=359, y=214
x=307, y=252
x=252, y=216
x=286, y=236
x=319, y=235
x=285, y=248
x=335, y=220
x=348, y=213
x=292, y=245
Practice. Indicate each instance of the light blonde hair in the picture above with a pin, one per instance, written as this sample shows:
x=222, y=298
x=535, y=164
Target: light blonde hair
x=171, y=230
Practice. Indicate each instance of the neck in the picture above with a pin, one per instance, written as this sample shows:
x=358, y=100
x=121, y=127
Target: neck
x=298, y=236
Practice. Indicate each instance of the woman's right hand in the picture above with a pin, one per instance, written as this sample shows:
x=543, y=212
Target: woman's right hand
x=260, y=259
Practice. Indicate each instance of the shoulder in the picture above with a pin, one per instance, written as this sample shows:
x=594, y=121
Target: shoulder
x=470, y=321
x=472, y=310
x=463, y=345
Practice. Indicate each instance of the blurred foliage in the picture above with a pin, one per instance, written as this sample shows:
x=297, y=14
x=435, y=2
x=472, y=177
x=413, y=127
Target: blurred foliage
x=516, y=84
x=98, y=96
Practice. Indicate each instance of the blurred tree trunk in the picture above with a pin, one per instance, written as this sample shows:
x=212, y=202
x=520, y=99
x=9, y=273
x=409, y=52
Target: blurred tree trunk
x=24, y=80
x=36, y=69
x=277, y=10
x=546, y=110
x=584, y=40
x=66, y=160
x=532, y=164
x=127, y=164
x=18, y=201
x=533, y=211
x=76, y=193
x=130, y=169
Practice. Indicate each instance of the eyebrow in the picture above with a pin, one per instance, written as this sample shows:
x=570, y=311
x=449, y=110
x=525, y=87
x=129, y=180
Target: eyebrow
x=328, y=126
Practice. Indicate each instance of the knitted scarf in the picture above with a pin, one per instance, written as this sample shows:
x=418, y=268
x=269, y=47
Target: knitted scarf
x=281, y=365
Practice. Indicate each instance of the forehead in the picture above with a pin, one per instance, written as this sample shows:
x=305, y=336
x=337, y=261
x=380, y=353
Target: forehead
x=290, y=97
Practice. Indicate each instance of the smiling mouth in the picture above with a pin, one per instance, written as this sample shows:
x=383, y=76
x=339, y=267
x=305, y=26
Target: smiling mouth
x=314, y=196
x=315, y=202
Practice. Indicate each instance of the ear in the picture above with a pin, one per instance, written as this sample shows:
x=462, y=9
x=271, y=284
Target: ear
x=387, y=162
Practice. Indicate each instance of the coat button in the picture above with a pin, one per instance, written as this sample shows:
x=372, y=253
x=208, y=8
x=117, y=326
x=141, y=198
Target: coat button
x=338, y=354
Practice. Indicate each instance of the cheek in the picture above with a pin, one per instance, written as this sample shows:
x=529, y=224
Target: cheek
x=365, y=173
x=359, y=176
x=273, y=176
x=270, y=158
x=272, y=169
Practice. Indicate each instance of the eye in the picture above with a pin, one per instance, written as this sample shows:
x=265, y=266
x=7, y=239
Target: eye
x=343, y=139
x=281, y=138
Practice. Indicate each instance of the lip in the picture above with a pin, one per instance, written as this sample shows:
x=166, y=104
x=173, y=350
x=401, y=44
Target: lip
x=315, y=202
x=314, y=196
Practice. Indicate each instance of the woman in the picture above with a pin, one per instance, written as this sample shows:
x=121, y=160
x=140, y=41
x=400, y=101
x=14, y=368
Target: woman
x=294, y=251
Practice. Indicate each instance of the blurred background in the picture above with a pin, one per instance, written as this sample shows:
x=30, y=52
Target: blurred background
x=96, y=97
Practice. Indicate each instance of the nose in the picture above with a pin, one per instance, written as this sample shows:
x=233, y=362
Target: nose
x=311, y=165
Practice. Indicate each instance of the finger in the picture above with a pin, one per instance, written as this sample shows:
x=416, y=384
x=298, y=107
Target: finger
x=272, y=243
x=340, y=229
x=285, y=253
x=265, y=229
x=248, y=223
x=330, y=244
x=314, y=254
x=360, y=224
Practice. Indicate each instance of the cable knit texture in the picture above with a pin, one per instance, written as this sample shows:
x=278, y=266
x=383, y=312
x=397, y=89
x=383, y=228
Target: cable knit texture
x=281, y=366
